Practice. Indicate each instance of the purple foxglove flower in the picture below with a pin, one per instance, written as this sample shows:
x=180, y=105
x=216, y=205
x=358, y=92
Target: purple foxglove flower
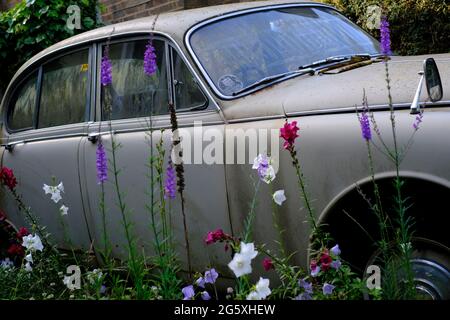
x=150, y=66
x=335, y=250
x=102, y=166
x=306, y=285
x=106, y=68
x=211, y=276
x=336, y=264
x=205, y=295
x=365, y=125
x=418, y=121
x=170, y=183
x=200, y=282
x=188, y=292
x=385, y=36
x=327, y=289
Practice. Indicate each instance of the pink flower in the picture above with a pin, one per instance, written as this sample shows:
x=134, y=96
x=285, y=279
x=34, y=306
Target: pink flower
x=289, y=134
x=7, y=178
x=217, y=235
x=268, y=264
x=22, y=233
x=326, y=261
x=315, y=269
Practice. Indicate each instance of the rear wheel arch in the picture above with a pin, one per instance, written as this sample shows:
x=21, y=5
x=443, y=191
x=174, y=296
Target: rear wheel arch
x=428, y=194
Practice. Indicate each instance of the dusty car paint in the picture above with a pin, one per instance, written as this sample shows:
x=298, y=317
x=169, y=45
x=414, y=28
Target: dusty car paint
x=330, y=146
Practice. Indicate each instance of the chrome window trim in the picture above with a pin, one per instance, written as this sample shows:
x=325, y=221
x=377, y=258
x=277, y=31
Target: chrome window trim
x=39, y=67
x=235, y=14
x=169, y=44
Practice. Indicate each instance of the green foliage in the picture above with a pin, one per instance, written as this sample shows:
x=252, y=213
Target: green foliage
x=417, y=26
x=34, y=25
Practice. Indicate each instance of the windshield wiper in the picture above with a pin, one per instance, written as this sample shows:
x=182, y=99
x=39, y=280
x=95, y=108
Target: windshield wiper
x=273, y=78
x=336, y=59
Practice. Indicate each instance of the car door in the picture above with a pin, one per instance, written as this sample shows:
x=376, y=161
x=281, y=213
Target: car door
x=45, y=122
x=140, y=103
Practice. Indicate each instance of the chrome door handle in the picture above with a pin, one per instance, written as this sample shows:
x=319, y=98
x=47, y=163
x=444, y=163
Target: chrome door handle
x=93, y=137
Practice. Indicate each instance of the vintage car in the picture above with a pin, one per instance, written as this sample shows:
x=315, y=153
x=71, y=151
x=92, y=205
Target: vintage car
x=235, y=73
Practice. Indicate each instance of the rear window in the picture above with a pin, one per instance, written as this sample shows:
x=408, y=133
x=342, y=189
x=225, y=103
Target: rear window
x=23, y=104
x=64, y=90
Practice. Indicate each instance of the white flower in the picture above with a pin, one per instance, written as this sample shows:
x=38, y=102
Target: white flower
x=270, y=175
x=263, y=165
x=253, y=296
x=248, y=249
x=31, y=242
x=28, y=267
x=60, y=187
x=6, y=264
x=279, y=197
x=55, y=191
x=56, y=196
x=63, y=210
x=47, y=189
x=240, y=265
x=29, y=258
x=262, y=288
x=95, y=275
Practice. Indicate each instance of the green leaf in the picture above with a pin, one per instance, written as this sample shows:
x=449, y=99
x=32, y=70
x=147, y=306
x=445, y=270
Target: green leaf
x=44, y=10
x=40, y=37
x=29, y=40
x=30, y=2
x=88, y=22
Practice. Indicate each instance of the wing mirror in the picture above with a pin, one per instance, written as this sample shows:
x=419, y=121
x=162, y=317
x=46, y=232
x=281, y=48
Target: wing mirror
x=430, y=75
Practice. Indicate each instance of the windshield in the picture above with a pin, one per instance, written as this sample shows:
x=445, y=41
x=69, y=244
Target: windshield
x=239, y=51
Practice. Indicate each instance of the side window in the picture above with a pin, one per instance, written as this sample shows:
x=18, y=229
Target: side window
x=133, y=93
x=65, y=83
x=187, y=92
x=21, y=113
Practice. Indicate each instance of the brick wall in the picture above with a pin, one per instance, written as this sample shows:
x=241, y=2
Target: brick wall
x=7, y=4
x=121, y=10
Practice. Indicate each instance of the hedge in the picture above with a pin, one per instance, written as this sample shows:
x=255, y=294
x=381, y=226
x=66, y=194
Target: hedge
x=34, y=25
x=417, y=26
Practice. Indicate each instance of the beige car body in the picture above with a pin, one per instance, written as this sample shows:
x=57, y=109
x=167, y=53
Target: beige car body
x=333, y=154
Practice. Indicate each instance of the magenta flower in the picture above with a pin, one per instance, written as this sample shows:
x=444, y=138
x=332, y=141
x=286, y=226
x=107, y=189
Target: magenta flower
x=188, y=292
x=385, y=36
x=268, y=264
x=217, y=235
x=211, y=276
x=102, y=167
x=106, y=68
x=365, y=125
x=289, y=134
x=150, y=66
x=327, y=289
x=170, y=182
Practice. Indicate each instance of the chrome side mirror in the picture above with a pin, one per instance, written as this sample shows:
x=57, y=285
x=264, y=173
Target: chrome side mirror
x=433, y=83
